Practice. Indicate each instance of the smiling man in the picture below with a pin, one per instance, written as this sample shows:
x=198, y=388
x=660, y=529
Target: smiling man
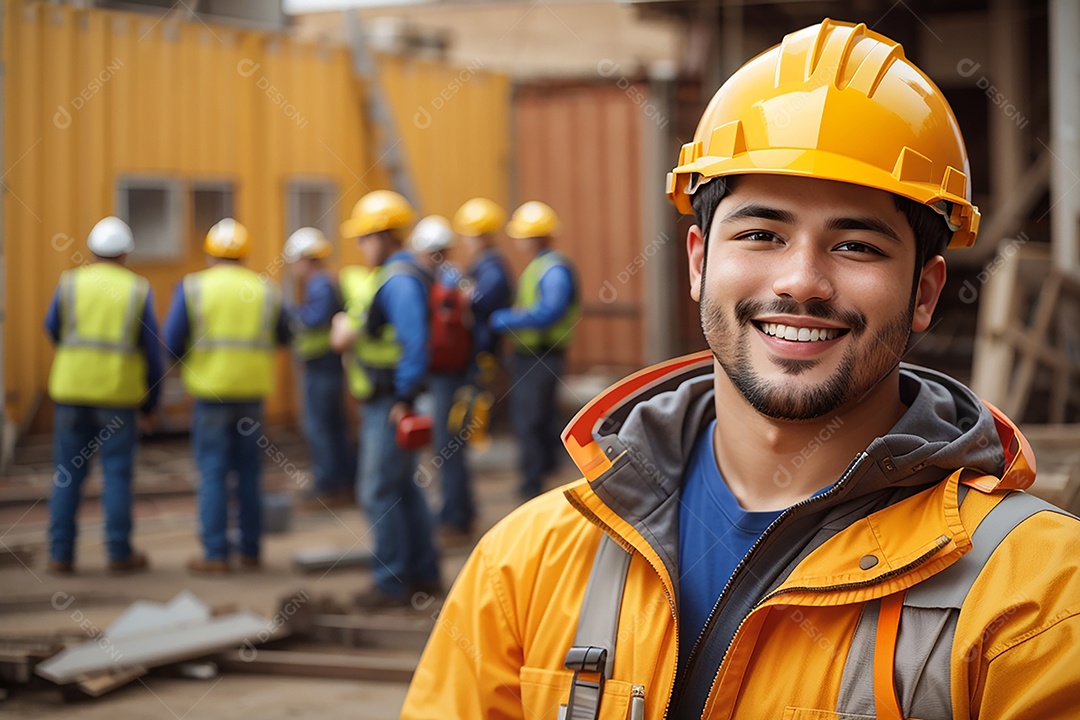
x=795, y=524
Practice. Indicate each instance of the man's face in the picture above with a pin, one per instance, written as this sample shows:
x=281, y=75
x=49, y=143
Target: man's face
x=375, y=248
x=807, y=301
x=472, y=245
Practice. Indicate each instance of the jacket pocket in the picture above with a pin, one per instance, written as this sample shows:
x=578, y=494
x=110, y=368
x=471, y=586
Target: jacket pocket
x=543, y=691
x=793, y=713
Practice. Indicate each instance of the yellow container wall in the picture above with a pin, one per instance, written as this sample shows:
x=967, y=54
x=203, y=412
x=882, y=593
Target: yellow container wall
x=93, y=96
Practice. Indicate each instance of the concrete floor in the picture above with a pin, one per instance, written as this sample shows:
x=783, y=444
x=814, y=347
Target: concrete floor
x=166, y=531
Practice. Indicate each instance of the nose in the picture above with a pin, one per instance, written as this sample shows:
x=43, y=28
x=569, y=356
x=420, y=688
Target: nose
x=801, y=274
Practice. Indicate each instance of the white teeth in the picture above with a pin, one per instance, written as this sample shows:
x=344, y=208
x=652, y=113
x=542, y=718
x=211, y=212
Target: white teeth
x=795, y=334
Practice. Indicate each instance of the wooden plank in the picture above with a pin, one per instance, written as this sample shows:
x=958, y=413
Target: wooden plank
x=367, y=631
x=1025, y=373
x=98, y=685
x=315, y=560
x=369, y=668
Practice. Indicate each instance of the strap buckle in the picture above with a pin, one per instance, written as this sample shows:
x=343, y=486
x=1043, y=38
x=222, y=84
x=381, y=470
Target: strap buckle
x=584, y=701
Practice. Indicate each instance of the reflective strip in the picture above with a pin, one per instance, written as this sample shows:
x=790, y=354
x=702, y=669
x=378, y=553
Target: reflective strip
x=597, y=631
x=193, y=297
x=67, y=306
x=269, y=304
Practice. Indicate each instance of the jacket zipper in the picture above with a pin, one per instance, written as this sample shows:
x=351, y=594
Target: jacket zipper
x=942, y=542
x=637, y=702
x=681, y=685
x=591, y=517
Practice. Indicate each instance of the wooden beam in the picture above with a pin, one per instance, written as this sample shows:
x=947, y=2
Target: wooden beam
x=1025, y=372
x=368, y=668
x=364, y=630
x=98, y=685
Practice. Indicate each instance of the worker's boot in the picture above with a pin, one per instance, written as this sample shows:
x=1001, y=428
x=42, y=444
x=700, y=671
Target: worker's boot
x=203, y=566
x=135, y=562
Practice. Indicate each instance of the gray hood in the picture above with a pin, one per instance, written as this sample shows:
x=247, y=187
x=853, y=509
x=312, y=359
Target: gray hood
x=945, y=428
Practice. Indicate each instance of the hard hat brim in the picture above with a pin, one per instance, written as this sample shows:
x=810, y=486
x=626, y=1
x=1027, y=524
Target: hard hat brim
x=819, y=164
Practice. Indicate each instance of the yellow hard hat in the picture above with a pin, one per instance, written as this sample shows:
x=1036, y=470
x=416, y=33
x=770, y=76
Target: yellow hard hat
x=479, y=216
x=533, y=219
x=839, y=102
x=379, y=211
x=227, y=239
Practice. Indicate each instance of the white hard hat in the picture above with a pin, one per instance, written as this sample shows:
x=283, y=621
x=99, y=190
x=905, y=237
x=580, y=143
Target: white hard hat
x=307, y=242
x=432, y=234
x=110, y=238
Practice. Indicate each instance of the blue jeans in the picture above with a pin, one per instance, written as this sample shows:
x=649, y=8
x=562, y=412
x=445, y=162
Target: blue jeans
x=79, y=433
x=394, y=504
x=324, y=427
x=458, y=509
x=533, y=404
x=226, y=440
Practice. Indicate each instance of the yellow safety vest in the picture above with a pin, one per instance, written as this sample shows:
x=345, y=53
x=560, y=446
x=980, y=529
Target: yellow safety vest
x=381, y=351
x=232, y=315
x=558, y=335
x=98, y=361
x=312, y=342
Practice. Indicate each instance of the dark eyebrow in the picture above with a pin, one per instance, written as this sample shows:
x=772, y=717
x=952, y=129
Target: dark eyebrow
x=761, y=212
x=870, y=224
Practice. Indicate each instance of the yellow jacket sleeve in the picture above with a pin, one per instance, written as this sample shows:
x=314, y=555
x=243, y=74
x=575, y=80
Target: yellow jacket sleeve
x=471, y=663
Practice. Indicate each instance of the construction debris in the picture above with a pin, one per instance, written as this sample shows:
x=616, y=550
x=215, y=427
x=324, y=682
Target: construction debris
x=18, y=658
x=410, y=633
x=98, y=685
x=186, y=637
x=150, y=634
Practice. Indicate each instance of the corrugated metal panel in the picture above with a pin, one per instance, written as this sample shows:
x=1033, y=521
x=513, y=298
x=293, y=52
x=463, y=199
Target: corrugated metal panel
x=136, y=96
x=453, y=125
x=579, y=150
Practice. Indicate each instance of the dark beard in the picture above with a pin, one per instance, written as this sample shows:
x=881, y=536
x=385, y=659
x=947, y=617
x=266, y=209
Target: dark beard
x=861, y=367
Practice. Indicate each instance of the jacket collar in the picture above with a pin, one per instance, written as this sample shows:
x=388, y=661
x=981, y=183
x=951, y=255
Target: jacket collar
x=631, y=444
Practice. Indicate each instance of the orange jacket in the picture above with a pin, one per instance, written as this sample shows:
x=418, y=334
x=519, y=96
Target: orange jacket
x=1010, y=651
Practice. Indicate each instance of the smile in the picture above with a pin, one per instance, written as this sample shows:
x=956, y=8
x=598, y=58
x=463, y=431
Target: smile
x=794, y=333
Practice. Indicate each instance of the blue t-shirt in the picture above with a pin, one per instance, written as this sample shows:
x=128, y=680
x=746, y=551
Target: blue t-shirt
x=714, y=535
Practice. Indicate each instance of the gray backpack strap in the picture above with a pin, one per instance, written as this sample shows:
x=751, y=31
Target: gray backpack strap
x=593, y=651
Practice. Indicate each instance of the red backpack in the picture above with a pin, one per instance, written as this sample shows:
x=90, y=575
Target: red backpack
x=450, y=335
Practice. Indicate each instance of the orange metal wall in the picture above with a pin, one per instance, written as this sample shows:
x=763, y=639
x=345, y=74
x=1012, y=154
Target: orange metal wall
x=93, y=95
x=579, y=150
x=454, y=127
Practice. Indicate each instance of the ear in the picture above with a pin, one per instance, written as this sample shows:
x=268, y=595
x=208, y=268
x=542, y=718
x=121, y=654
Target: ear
x=695, y=253
x=931, y=283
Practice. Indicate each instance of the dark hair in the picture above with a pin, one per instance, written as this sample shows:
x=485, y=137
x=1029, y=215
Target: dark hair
x=932, y=234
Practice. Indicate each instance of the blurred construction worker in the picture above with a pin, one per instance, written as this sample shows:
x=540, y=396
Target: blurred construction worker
x=450, y=348
x=389, y=307
x=107, y=368
x=477, y=223
x=792, y=524
x=223, y=326
x=540, y=327
x=323, y=381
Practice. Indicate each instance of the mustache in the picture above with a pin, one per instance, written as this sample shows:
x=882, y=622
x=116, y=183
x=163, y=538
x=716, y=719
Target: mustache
x=747, y=308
